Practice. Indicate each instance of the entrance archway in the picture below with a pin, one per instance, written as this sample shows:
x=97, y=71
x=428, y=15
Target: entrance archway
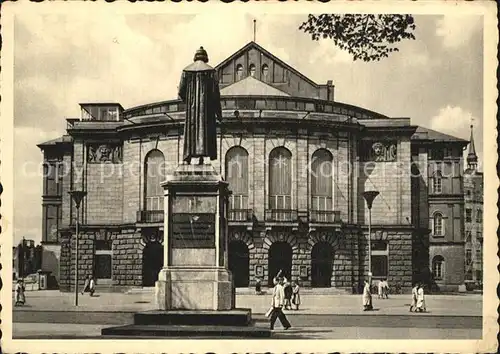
x=279, y=257
x=239, y=263
x=321, y=265
x=152, y=262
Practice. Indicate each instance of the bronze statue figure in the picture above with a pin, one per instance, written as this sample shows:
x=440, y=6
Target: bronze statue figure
x=199, y=89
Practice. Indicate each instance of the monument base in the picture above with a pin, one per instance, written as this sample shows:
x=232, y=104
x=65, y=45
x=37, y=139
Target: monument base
x=194, y=288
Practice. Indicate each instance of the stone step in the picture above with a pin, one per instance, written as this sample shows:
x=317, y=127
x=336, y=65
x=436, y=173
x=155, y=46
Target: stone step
x=201, y=331
x=236, y=317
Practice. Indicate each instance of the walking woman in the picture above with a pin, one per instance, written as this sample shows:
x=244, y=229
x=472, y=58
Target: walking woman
x=277, y=303
x=420, y=299
x=414, y=292
x=20, y=298
x=367, y=297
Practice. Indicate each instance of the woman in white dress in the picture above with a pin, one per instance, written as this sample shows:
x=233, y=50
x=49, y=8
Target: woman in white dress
x=421, y=299
x=367, y=297
x=414, y=294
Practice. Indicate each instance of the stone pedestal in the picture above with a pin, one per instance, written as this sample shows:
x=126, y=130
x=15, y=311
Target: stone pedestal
x=195, y=274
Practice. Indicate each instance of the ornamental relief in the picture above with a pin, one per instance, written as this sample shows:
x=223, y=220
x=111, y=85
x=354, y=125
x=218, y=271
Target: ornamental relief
x=378, y=151
x=104, y=153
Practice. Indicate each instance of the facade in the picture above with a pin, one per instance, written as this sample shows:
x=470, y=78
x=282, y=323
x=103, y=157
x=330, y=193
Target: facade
x=297, y=163
x=473, y=188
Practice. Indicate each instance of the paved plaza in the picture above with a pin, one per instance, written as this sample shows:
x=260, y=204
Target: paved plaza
x=52, y=314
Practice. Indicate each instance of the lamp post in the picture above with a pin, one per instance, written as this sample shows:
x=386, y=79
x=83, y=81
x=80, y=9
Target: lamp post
x=77, y=197
x=369, y=197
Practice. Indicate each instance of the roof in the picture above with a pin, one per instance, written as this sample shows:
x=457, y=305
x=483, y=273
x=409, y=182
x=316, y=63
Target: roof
x=251, y=86
x=254, y=45
x=423, y=133
x=61, y=140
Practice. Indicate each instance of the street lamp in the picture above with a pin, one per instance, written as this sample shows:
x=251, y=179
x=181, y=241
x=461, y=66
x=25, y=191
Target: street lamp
x=369, y=197
x=77, y=197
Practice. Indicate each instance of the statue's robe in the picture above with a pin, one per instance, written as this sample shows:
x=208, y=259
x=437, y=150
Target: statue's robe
x=199, y=89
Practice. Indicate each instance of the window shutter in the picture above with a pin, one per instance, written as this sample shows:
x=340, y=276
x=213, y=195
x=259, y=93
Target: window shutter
x=443, y=226
x=432, y=225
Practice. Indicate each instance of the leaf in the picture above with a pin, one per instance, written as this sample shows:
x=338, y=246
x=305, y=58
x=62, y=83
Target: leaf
x=365, y=37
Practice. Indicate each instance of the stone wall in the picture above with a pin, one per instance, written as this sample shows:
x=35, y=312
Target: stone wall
x=127, y=259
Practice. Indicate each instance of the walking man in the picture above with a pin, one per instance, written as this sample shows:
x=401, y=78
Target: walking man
x=278, y=301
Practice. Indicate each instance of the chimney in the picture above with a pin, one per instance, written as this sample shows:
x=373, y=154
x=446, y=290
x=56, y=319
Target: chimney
x=326, y=91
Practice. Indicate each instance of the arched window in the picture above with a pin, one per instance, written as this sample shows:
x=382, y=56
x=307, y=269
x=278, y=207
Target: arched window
x=438, y=267
x=265, y=72
x=239, y=72
x=437, y=226
x=237, y=177
x=437, y=183
x=251, y=70
x=154, y=175
x=321, y=183
x=280, y=179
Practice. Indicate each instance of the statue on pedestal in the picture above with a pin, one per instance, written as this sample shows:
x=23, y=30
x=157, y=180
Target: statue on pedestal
x=199, y=89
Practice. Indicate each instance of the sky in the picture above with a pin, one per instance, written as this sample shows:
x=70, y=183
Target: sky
x=63, y=60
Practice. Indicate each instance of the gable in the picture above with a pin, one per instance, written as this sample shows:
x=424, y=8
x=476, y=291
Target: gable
x=254, y=61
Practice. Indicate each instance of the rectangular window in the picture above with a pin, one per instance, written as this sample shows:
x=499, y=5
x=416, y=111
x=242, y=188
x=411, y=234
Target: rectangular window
x=380, y=259
x=437, y=185
x=260, y=104
x=379, y=266
x=281, y=105
x=469, y=193
x=103, y=259
x=321, y=203
x=479, y=216
x=109, y=114
x=52, y=219
x=468, y=215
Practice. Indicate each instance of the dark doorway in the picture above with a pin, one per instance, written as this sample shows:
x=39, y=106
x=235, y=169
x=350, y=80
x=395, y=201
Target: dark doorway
x=152, y=262
x=279, y=257
x=239, y=263
x=321, y=265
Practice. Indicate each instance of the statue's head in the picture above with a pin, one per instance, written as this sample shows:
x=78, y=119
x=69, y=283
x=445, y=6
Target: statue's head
x=201, y=54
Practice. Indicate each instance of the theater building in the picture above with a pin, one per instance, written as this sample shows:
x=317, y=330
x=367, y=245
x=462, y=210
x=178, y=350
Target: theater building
x=297, y=162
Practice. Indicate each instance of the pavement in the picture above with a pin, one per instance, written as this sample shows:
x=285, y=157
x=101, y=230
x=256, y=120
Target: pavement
x=50, y=314
x=437, y=305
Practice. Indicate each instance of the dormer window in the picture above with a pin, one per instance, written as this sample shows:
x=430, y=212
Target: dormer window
x=239, y=72
x=265, y=72
x=251, y=70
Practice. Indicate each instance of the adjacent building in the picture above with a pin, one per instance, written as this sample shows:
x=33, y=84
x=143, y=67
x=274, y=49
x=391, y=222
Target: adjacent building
x=297, y=162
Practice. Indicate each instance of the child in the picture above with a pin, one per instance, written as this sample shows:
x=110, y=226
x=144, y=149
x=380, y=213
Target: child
x=258, y=286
